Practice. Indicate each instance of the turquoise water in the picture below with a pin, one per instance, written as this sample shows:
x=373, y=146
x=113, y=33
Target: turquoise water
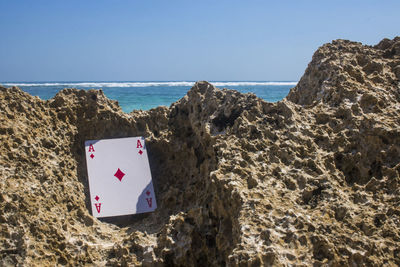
x=147, y=95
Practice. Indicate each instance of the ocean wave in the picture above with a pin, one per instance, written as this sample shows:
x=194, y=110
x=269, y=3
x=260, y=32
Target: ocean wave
x=142, y=84
x=251, y=83
x=103, y=84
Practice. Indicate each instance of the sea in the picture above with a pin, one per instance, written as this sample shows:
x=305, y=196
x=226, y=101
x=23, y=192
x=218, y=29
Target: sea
x=147, y=95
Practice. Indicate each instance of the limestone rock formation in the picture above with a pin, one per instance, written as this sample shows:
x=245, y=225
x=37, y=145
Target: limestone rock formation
x=310, y=180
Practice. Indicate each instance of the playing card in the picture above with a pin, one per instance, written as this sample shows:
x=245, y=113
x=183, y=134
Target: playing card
x=119, y=177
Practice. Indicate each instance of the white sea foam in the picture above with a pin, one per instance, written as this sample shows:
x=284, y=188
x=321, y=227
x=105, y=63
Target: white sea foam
x=251, y=83
x=143, y=84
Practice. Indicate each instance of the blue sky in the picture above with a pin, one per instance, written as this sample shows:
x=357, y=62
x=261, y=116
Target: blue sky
x=179, y=40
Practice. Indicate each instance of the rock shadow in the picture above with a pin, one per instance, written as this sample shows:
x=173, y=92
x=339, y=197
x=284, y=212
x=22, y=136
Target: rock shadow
x=146, y=201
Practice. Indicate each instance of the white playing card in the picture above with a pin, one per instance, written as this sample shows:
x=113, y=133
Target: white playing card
x=119, y=177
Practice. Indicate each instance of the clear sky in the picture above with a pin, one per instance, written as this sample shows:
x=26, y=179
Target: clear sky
x=179, y=40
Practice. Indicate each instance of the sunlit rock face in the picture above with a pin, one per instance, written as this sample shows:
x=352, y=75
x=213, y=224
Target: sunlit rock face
x=312, y=179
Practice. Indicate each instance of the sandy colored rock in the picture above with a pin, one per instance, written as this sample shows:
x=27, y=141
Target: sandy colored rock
x=310, y=180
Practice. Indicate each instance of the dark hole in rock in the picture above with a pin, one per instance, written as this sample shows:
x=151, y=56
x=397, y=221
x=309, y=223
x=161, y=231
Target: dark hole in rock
x=352, y=175
x=210, y=241
x=221, y=122
x=169, y=259
x=350, y=169
x=377, y=222
x=376, y=170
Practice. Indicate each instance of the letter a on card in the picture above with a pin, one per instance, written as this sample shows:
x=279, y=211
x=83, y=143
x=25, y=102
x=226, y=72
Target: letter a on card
x=91, y=148
x=98, y=207
x=139, y=144
x=119, y=177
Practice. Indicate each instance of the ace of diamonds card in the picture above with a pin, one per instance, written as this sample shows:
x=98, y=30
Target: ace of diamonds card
x=119, y=177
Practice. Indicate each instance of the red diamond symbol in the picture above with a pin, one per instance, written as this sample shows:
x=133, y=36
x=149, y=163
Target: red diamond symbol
x=148, y=193
x=91, y=155
x=97, y=198
x=119, y=174
x=140, y=152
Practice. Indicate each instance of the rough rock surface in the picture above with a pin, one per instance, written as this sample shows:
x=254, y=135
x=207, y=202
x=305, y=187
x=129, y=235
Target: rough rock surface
x=311, y=180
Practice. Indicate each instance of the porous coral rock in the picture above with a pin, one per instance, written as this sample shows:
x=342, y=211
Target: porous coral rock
x=310, y=180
